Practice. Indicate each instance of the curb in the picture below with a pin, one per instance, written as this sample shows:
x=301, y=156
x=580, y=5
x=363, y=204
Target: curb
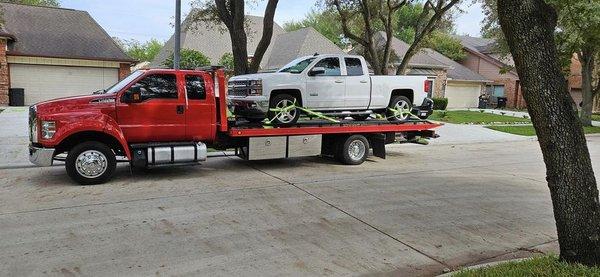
x=483, y=266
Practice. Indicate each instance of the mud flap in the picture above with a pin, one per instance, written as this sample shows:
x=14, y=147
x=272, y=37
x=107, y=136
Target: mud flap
x=378, y=142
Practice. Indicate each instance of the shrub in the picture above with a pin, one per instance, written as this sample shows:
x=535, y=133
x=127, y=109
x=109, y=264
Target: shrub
x=190, y=59
x=440, y=103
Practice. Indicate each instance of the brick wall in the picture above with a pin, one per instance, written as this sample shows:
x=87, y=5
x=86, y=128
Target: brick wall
x=4, y=74
x=124, y=70
x=439, y=84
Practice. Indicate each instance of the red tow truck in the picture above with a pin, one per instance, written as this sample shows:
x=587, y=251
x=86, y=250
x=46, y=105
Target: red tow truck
x=162, y=117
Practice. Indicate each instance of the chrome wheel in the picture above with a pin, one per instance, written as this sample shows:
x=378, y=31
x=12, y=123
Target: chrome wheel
x=356, y=150
x=91, y=164
x=285, y=114
x=403, y=109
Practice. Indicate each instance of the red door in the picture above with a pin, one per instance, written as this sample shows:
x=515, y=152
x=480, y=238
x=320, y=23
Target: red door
x=160, y=117
x=200, y=113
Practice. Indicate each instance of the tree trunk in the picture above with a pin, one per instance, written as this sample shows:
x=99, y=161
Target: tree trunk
x=587, y=68
x=529, y=29
x=267, y=35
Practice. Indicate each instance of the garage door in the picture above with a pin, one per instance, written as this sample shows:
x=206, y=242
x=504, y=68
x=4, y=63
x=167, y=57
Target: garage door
x=43, y=82
x=463, y=95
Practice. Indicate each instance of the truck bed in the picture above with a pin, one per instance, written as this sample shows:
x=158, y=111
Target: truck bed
x=315, y=127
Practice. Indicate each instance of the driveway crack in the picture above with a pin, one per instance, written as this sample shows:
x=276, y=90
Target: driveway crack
x=354, y=217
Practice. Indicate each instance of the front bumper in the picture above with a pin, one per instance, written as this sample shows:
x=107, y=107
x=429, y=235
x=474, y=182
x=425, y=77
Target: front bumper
x=41, y=156
x=249, y=107
x=425, y=110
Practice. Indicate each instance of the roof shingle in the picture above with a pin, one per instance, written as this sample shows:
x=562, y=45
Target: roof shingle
x=58, y=32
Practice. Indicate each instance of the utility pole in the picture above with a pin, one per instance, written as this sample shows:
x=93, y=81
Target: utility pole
x=177, y=50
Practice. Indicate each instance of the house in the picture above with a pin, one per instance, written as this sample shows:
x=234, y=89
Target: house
x=56, y=52
x=214, y=41
x=484, y=58
x=303, y=42
x=451, y=80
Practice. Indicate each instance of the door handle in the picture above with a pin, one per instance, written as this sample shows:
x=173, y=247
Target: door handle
x=180, y=109
x=363, y=82
x=338, y=81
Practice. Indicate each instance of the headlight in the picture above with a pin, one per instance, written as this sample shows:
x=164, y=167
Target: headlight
x=48, y=129
x=256, y=87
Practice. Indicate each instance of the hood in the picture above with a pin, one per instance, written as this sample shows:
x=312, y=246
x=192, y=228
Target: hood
x=258, y=76
x=76, y=104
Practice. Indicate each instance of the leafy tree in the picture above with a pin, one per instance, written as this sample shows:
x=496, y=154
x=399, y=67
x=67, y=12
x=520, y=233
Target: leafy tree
x=48, y=3
x=362, y=19
x=529, y=27
x=578, y=32
x=227, y=61
x=325, y=22
x=231, y=13
x=190, y=59
x=144, y=52
x=447, y=45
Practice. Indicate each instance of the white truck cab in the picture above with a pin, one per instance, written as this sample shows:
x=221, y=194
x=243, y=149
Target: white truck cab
x=338, y=85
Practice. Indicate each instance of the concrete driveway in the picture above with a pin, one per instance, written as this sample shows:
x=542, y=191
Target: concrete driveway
x=424, y=210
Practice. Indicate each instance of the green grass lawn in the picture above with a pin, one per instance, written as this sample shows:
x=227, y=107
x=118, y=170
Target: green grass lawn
x=596, y=117
x=530, y=131
x=540, y=266
x=475, y=117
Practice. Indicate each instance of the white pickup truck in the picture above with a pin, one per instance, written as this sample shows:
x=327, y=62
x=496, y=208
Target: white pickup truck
x=336, y=85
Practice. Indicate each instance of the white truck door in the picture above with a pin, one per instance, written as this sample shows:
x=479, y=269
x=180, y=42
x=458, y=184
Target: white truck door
x=358, y=88
x=326, y=90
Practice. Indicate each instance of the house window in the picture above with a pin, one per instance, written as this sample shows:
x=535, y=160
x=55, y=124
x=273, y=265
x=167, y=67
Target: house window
x=496, y=90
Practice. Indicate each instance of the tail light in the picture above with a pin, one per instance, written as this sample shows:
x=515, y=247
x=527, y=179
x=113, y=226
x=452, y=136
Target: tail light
x=428, y=86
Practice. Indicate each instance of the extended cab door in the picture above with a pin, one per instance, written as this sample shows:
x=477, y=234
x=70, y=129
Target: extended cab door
x=200, y=115
x=326, y=90
x=161, y=114
x=358, y=85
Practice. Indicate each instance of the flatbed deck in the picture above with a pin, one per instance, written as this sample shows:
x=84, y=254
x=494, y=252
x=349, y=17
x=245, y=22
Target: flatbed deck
x=316, y=127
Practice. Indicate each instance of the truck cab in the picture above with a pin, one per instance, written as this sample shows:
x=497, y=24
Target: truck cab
x=149, y=106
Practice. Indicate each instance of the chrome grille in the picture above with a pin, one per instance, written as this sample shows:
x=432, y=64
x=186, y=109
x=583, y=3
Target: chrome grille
x=239, y=88
x=32, y=124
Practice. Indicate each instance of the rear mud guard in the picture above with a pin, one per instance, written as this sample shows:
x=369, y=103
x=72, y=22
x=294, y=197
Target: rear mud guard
x=378, y=142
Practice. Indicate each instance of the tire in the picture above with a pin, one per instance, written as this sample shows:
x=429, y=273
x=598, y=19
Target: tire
x=361, y=117
x=79, y=159
x=397, y=102
x=354, y=150
x=284, y=119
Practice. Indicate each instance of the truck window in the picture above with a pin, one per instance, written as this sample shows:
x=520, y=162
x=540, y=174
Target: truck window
x=195, y=87
x=331, y=65
x=354, y=67
x=161, y=86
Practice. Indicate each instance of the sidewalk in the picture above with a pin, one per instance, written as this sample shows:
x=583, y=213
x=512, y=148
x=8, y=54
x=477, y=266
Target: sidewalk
x=14, y=136
x=521, y=114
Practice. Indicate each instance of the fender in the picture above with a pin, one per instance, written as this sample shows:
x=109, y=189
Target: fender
x=112, y=128
x=77, y=122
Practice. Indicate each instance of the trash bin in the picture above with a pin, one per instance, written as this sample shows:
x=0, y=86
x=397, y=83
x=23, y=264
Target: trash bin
x=16, y=97
x=483, y=102
x=501, y=102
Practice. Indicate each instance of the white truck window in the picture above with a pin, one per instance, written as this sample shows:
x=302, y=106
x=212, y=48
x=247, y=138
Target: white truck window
x=354, y=67
x=331, y=65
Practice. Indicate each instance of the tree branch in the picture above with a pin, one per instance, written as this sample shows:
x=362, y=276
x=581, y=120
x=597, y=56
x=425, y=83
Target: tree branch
x=267, y=35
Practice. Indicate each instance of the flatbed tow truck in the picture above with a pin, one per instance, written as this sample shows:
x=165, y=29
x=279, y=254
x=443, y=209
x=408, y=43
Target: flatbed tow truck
x=161, y=117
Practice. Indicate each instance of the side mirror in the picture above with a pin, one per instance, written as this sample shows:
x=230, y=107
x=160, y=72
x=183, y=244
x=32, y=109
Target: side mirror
x=316, y=71
x=133, y=95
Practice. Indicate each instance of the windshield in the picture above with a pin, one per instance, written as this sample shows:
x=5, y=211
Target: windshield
x=120, y=85
x=297, y=65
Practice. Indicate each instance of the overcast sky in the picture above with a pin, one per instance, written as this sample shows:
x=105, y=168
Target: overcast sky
x=146, y=19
